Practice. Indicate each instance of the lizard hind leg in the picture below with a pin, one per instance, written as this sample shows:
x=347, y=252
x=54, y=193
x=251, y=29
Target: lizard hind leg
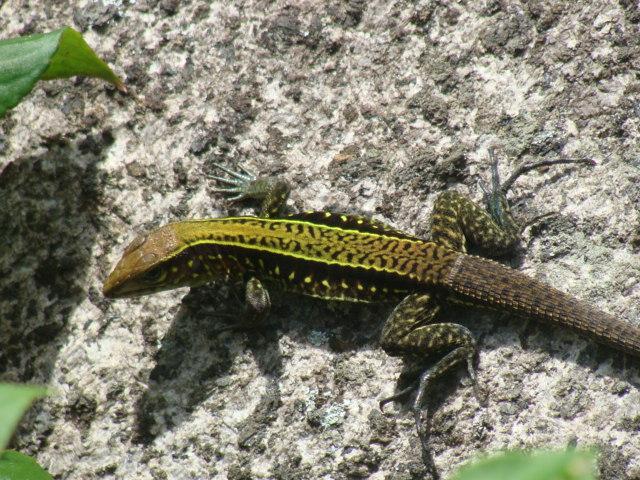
x=410, y=332
x=457, y=222
x=495, y=197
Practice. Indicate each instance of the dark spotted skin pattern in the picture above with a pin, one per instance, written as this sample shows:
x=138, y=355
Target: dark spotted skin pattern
x=309, y=258
x=346, y=257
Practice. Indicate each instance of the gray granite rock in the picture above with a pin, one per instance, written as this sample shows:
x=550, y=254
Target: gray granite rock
x=372, y=107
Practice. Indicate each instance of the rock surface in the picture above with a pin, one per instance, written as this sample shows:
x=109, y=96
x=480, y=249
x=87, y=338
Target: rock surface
x=373, y=107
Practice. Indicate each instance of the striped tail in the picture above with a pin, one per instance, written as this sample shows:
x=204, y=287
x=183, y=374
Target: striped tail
x=491, y=284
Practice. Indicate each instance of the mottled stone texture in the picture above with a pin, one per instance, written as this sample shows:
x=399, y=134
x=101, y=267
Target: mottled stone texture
x=370, y=107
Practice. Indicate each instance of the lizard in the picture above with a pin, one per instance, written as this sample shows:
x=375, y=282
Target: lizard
x=352, y=258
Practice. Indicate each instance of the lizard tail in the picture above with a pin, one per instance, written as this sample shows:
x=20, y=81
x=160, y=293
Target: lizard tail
x=493, y=285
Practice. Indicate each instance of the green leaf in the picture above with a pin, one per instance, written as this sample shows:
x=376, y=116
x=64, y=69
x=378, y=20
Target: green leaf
x=542, y=465
x=59, y=54
x=17, y=466
x=14, y=401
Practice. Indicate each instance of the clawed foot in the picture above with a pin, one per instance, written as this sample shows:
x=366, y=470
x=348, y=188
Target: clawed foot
x=495, y=197
x=495, y=194
x=256, y=306
x=422, y=429
x=500, y=189
x=527, y=167
x=240, y=183
x=398, y=396
x=243, y=184
x=423, y=387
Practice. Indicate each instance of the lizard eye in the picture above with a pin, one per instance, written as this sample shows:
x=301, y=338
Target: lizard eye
x=154, y=276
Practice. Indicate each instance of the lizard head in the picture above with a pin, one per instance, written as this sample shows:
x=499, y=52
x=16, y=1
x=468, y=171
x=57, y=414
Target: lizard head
x=172, y=256
x=150, y=263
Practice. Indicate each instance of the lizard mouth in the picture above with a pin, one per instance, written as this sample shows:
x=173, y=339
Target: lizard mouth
x=114, y=287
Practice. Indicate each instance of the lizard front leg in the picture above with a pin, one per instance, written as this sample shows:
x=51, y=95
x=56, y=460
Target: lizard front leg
x=257, y=304
x=257, y=300
x=271, y=191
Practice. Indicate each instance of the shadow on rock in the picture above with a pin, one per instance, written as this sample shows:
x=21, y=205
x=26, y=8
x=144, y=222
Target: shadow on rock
x=50, y=220
x=49, y=224
x=195, y=356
